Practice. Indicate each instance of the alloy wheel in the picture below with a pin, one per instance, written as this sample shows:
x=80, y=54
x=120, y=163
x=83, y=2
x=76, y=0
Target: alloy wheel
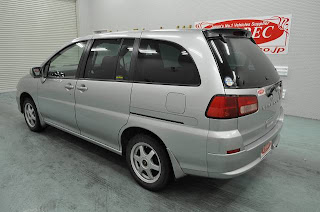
x=30, y=114
x=145, y=162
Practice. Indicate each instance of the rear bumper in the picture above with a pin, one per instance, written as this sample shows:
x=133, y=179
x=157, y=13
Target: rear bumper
x=228, y=166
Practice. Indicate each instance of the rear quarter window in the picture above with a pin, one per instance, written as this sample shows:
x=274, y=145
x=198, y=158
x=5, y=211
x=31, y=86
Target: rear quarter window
x=165, y=63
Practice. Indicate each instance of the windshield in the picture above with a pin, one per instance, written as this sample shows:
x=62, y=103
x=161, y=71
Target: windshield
x=242, y=64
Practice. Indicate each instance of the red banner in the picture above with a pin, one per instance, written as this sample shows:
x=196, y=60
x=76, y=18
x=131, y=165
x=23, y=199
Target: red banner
x=271, y=33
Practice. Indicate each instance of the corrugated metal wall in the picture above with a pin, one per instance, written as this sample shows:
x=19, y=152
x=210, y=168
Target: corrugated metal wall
x=302, y=83
x=30, y=31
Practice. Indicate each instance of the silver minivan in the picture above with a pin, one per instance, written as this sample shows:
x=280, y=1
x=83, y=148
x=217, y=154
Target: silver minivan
x=172, y=102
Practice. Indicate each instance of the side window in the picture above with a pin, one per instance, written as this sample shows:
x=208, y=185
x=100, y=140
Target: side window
x=103, y=57
x=165, y=62
x=65, y=63
x=124, y=63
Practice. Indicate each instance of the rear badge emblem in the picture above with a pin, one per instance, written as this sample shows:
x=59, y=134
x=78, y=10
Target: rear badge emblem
x=261, y=91
x=228, y=81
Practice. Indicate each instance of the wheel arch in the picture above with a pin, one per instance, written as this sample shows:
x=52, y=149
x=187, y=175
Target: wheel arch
x=131, y=131
x=22, y=97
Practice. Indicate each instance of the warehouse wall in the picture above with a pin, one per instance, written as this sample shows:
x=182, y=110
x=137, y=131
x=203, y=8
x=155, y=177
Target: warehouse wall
x=303, y=59
x=30, y=31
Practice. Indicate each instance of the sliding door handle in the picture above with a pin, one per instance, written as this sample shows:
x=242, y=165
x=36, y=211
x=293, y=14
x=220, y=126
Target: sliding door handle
x=82, y=88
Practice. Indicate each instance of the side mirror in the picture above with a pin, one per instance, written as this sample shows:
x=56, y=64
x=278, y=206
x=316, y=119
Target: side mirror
x=36, y=72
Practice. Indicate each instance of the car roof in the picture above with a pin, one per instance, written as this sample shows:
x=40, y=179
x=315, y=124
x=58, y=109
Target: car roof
x=137, y=33
x=131, y=33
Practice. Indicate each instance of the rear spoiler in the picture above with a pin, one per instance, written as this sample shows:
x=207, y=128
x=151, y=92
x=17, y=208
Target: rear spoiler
x=222, y=33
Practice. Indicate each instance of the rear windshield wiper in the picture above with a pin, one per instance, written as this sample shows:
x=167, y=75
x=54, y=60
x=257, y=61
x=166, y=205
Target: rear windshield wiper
x=273, y=87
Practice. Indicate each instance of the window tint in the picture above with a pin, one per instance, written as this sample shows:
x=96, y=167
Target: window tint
x=65, y=63
x=165, y=62
x=102, y=61
x=124, y=63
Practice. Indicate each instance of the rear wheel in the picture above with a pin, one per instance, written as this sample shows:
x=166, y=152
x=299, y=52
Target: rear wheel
x=148, y=162
x=31, y=115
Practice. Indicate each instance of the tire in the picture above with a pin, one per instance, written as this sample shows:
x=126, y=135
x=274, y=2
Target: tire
x=31, y=116
x=152, y=170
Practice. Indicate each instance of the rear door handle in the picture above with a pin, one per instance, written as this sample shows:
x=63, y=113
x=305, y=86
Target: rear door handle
x=82, y=88
x=69, y=86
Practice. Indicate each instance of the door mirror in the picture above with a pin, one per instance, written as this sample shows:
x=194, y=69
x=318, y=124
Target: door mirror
x=35, y=72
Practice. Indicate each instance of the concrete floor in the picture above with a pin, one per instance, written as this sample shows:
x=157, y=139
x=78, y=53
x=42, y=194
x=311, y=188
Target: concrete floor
x=55, y=171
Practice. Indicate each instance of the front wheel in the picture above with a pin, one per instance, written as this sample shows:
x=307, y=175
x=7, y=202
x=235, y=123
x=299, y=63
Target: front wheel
x=31, y=115
x=148, y=162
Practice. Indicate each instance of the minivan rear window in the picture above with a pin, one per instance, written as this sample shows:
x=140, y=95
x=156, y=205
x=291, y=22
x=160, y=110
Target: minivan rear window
x=242, y=64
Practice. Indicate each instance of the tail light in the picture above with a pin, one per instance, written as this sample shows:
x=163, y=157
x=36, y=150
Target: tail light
x=226, y=107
